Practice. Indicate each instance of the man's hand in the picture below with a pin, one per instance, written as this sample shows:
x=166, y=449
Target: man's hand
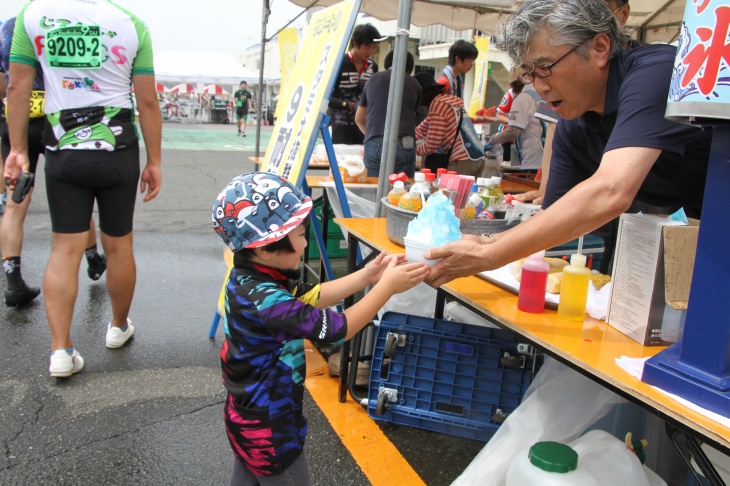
x=151, y=181
x=15, y=162
x=459, y=259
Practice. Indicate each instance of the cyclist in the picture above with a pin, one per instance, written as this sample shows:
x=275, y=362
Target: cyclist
x=243, y=97
x=11, y=226
x=92, y=147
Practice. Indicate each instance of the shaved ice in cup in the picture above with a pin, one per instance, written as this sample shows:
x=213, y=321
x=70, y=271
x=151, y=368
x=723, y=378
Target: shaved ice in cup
x=435, y=226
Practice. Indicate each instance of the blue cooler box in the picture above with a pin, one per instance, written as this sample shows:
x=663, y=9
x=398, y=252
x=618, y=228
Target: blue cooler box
x=592, y=245
x=458, y=379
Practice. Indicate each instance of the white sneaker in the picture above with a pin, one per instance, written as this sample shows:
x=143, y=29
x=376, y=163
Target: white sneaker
x=64, y=364
x=116, y=338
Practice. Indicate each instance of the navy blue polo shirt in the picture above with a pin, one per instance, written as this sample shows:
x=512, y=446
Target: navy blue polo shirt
x=636, y=99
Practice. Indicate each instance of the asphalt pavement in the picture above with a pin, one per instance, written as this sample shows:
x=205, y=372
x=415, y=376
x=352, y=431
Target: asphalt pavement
x=151, y=412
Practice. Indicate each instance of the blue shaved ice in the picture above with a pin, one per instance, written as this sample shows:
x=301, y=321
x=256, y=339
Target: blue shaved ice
x=436, y=223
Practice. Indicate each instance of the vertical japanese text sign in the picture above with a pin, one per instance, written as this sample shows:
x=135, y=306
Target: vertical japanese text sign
x=480, y=76
x=700, y=85
x=308, y=91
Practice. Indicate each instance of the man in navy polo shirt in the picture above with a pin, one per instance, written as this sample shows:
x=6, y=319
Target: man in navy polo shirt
x=613, y=143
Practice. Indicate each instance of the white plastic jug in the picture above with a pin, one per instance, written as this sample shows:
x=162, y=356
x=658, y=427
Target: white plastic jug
x=595, y=459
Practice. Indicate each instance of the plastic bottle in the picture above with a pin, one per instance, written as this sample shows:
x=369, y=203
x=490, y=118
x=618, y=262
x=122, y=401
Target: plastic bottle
x=431, y=184
x=396, y=193
x=403, y=177
x=595, y=459
x=419, y=182
x=411, y=200
x=497, y=188
x=484, y=183
x=574, y=290
x=439, y=173
x=474, y=205
x=533, y=283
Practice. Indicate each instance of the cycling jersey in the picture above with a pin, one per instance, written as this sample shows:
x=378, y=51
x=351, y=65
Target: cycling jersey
x=88, y=50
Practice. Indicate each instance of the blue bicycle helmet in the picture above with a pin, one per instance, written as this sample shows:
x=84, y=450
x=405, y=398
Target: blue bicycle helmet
x=257, y=209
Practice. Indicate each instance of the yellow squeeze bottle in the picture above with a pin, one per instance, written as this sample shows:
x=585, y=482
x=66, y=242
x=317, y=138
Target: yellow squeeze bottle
x=574, y=290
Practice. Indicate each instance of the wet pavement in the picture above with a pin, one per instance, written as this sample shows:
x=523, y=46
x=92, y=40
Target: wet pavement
x=150, y=413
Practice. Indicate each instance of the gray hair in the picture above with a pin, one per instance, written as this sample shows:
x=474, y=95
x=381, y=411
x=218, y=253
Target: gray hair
x=568, y=22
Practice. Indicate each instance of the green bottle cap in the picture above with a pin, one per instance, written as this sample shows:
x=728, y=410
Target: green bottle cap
x=553, y=457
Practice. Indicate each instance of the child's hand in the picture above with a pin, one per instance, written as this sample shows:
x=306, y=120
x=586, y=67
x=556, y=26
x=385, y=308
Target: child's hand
x=400, y=277
x=374, y=270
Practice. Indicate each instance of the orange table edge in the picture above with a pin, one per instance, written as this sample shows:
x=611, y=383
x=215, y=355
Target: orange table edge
x=590, y=347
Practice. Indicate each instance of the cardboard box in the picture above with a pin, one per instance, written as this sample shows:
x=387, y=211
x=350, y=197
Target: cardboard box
x=348, y=178
x=652, y=275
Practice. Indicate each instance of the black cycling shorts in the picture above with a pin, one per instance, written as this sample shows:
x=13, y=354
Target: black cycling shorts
x=35, y=141
x=75, y=178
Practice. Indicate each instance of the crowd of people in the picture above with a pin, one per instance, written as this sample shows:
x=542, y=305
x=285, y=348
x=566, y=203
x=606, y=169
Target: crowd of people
x=611, y=147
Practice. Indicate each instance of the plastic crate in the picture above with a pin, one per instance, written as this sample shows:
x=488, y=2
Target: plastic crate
x=336, y=242
x=455, y=378
x=592, y=245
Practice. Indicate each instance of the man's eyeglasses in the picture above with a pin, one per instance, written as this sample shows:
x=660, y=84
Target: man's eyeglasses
x=545, y=70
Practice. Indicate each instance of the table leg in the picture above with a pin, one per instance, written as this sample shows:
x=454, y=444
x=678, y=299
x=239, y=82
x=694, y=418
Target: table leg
x=345, y=350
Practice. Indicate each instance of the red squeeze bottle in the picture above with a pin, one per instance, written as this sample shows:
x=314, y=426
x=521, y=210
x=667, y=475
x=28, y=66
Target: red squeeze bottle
x=533, y=283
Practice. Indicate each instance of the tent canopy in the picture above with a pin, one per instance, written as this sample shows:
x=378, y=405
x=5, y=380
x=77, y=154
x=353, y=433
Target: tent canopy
x=202, y=67
x=215, y=89
x=183, y=88
x=652, y=16
x=161, y=88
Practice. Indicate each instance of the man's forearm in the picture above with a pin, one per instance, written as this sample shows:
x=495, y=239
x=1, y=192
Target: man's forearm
x=18, y=90
x=150, y=121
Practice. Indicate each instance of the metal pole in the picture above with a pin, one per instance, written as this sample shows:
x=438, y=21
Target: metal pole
x=395, y=98
x=259, y=91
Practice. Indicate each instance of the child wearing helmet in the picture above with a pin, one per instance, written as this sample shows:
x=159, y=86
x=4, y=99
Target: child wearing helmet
x=262, y=218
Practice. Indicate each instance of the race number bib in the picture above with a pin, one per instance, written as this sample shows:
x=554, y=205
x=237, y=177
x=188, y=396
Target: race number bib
x=37, y=99
x=74, y=46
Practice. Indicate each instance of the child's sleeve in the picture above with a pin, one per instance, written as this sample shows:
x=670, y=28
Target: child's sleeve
x=294, y=315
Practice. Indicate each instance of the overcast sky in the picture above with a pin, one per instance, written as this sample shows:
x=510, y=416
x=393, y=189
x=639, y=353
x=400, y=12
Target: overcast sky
x=204, y=25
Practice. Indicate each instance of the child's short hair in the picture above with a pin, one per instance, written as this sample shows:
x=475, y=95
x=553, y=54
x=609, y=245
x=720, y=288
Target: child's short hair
x=283, y=245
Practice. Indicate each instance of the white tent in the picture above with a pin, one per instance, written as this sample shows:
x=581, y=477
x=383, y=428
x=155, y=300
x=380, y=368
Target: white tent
x=202, y=67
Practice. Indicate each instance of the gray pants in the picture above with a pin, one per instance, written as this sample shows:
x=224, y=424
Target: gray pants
x=295, y=475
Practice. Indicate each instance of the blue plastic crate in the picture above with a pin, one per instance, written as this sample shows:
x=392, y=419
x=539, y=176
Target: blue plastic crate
x=449, y=377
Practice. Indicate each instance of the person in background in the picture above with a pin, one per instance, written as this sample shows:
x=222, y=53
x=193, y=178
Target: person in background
x=370, y=117
x=502, y=113
x=244, y=100
x=612, y=144
x=462, y=55
x=11, y=226
x=356, y=70
x=92, y=153
x=524, y=128
x=262, y=218
x=440, y=145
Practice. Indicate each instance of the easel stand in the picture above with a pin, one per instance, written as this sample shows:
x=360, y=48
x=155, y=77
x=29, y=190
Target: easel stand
x=340, y=188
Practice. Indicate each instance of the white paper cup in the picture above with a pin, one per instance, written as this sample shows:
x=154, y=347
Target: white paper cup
x=415, y=249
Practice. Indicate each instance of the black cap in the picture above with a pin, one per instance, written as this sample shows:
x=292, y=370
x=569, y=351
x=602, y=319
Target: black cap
x=425, y=79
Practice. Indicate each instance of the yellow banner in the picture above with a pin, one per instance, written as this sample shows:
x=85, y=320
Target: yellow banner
x=288, y=40
x=305, y=97
x=481, y=73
